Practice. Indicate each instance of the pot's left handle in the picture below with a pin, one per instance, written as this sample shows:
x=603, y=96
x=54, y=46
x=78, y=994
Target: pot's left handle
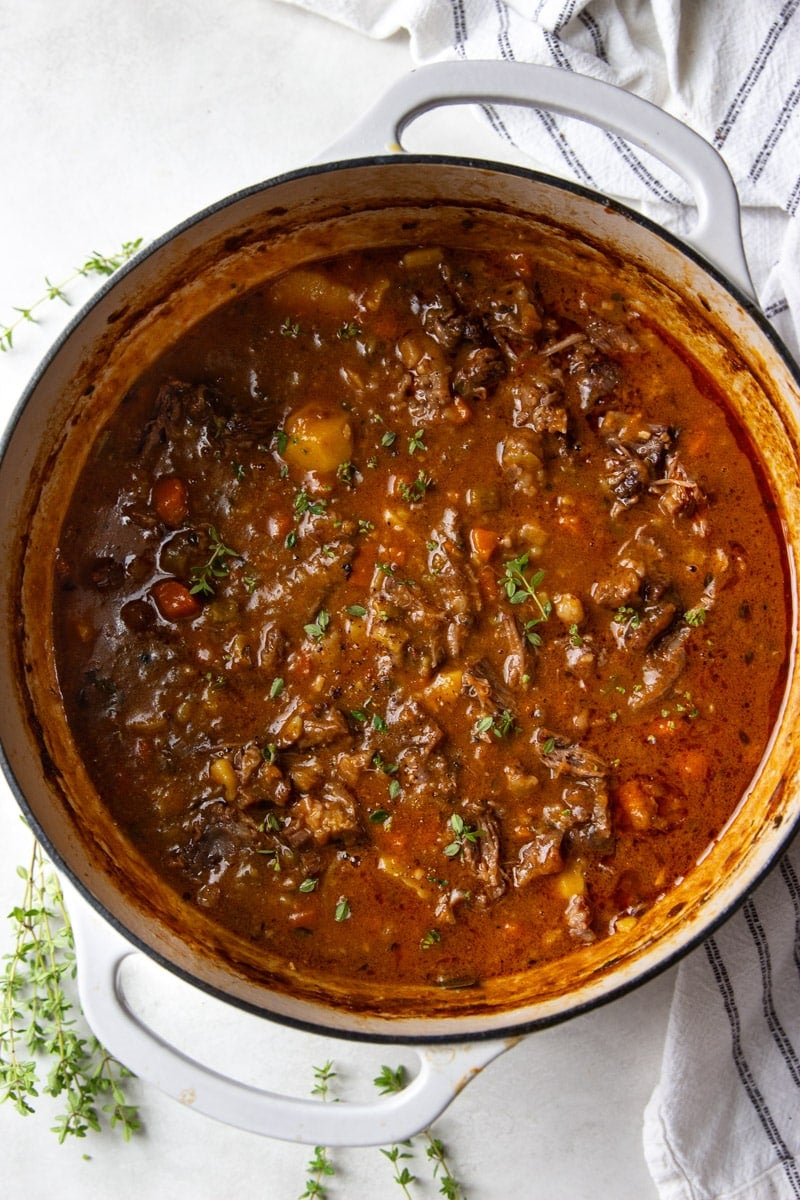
x=443, y=1070
x=717, y=232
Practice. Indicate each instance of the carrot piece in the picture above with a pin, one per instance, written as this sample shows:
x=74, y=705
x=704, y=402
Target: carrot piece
x=174, y=600
x=483, y=543
x=170, y=498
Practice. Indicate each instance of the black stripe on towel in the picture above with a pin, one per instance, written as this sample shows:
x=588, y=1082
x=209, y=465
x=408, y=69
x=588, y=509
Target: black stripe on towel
x=459, y=45
x=756, y=69
x=566, y=15
x=752, y=1090
x=793, y=202
x=779, y=1034
x=571, y=159
x=776, y=309
x=459, y=27
x=596, y=34
x=771, y=140
x=788, y=873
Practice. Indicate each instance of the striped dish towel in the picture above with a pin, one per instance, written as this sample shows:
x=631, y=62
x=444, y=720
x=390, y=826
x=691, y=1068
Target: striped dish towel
x=724, y=1120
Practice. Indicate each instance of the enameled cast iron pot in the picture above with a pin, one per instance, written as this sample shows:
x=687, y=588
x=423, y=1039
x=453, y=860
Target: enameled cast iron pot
x=702, y=296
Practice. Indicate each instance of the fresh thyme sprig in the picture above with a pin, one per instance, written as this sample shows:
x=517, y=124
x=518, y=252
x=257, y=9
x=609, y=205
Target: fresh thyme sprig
x=96, y=264
x=37, y=1022
x=320, y=1166
x=204, y=577
x=402, y=1175
x=520, y=588
x=390, y=1081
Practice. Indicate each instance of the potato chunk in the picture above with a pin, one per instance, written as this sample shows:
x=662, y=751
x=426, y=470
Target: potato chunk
x=320, y=437
x=306, y=292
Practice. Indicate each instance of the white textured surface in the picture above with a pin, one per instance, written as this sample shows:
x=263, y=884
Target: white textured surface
x=121, y=119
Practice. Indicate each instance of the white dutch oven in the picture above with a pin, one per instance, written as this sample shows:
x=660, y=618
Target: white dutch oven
x=369, y=192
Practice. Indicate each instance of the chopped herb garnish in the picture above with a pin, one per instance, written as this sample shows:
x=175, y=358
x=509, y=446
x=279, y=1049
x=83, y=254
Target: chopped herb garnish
x=415, y=491
x=380, y=764
x=431, y=938
x=379, y=724
x=627, y=616
x=216, y=566
x=417, y=442
x=276, y=689
x=316, y=629
x=388, y=438
x=304, y=504
x=281, y=440
x=347, y=331
x=464, y=834
x=501, y=725
x=342, y=912
x=379, y=816
x=290, y=328
x=394, y=789
x=346, y=473
x=356, y=610
x=308, y=885
x=695, y=616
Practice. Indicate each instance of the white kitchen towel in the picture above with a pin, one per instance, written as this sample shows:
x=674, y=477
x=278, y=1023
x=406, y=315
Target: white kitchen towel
x=731, y=70
x=724, y=1121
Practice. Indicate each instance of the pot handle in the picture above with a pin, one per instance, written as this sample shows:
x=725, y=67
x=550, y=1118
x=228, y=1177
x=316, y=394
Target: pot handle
x=717, y=233
x=100, y=951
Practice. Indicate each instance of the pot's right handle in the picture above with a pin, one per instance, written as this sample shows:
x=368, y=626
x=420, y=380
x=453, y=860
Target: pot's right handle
x=717, y=232
x=100, y=952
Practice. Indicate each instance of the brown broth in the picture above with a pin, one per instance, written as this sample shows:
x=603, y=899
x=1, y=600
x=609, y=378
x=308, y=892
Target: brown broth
x=422, y=615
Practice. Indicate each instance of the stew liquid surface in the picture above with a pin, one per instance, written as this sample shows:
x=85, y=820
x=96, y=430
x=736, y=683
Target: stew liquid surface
x=421, y=615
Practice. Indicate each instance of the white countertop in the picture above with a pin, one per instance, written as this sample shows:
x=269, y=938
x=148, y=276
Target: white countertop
x=121, y=119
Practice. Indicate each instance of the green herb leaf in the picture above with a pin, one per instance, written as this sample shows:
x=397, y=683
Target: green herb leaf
x=316, y=629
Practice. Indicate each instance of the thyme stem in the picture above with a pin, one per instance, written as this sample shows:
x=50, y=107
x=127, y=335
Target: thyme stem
x=96, y=264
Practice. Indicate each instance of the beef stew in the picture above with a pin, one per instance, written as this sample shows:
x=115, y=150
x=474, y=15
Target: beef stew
x=423, y=614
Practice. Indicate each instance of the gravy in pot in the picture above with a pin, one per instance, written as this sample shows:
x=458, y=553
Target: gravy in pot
x=422, y=614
